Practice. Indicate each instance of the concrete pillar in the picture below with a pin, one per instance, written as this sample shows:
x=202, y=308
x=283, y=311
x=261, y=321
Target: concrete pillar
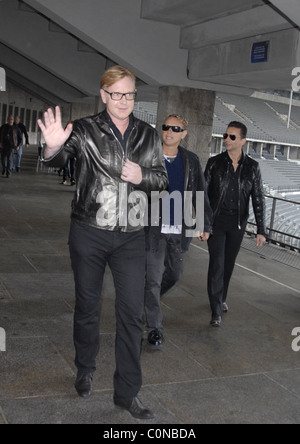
x=247, y=147
x=197, y=106
x=273, y=149
x=220, y=144
x=259, y=149
x=286, y=152
x=99, y=105
x=80, y=110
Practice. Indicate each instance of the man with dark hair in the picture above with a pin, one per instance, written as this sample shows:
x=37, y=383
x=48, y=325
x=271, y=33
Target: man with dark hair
x=232, y=178
x=116, y=155
x=241, y=126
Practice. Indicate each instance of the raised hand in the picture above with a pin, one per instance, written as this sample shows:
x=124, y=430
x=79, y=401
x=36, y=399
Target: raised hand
x=54, y=134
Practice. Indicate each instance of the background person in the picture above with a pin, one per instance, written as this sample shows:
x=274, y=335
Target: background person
x=11, y=139
x=17, y=156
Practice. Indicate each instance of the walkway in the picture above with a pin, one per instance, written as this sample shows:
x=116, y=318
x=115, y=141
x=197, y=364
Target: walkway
x=244, y=372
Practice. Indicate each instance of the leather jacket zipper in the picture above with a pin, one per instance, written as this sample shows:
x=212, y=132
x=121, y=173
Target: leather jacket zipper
x=123, y=187
x=239, y=199
x=123, y=151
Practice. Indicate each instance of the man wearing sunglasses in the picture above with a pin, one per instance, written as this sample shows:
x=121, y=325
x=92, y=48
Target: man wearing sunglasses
x=168, y=243
x=116, y=154
x=232, y=178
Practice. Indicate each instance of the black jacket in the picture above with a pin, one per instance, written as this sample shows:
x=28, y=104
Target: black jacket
x=23, y=130
x=102, y=199
x=250, y=184
x=10, y=137
x=193, y=181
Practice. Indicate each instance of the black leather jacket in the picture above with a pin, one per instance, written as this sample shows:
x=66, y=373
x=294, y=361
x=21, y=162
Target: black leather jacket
x=101, y=198
x=250, y=185
x=10, y=136
x=193, y=181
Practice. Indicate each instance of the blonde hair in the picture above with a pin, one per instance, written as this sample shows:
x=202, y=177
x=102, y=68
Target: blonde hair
x=182, y=119
x=114, y=74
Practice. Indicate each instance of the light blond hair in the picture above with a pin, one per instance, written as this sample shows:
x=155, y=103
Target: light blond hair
x=114, y=74
x=183, y=120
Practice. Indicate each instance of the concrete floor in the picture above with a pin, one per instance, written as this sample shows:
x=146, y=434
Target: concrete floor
x=244, y=372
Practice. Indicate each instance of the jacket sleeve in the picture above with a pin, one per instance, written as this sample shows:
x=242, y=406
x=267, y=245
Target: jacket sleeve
x=258, y=202
x=19, y=137
x=207, y=175
x=24, y=131
x=155, y=178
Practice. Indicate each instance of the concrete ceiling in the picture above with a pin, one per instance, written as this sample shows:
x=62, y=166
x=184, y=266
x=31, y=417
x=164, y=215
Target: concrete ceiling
x=57, y=50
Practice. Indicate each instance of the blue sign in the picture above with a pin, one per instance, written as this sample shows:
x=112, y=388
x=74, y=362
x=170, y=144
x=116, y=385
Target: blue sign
x=260, y=52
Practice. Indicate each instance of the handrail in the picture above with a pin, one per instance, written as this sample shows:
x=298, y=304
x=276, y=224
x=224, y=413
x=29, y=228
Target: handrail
x=274, y=234
x=282, y=199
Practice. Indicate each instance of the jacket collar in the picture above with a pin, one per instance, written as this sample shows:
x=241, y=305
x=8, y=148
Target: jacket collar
x=106, y=117
x=241, y=161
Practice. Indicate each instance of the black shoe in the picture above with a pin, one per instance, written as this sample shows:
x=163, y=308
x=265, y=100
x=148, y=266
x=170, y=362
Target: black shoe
x=134, y=407
x=225, y=308
x=155, y=340
x=83, y=384
x=216, y=321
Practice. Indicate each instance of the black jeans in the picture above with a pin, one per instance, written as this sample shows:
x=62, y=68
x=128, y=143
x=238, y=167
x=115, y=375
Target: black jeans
x=91, y=249
x=224, y=246
x=164, y=267
x=6, y=160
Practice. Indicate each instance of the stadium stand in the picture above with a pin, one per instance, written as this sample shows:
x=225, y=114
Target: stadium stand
x=266, y=120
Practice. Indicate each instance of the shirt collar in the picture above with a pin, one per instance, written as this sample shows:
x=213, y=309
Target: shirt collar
x=241, y=159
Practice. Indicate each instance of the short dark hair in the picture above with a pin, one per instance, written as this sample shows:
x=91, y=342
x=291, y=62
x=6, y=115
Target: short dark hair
x=241, y=126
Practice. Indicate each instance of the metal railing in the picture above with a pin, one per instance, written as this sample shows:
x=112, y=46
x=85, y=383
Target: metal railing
x=283, y=238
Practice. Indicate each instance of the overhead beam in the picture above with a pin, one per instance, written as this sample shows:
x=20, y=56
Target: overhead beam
x=33, y=73
x=119, y=32
x=230, y=62
x=56, y=53
x=260, y=20
x=290, y=9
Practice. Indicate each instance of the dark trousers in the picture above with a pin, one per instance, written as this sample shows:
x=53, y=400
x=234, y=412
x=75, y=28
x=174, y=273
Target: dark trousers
x=6, y=160
x=224, y=246
x=91, y=249
x=164, y=267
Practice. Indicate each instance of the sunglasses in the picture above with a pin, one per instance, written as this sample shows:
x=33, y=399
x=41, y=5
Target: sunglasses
x=232, y=136
x=175, y=129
